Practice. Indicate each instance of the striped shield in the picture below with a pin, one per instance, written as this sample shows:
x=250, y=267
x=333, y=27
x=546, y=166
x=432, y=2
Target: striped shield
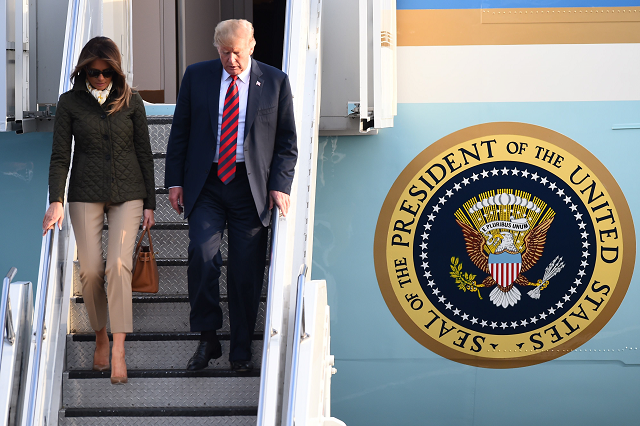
x=505, y=268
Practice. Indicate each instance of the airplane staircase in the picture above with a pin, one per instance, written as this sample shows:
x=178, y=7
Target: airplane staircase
x=160, y=390
x=290, y=382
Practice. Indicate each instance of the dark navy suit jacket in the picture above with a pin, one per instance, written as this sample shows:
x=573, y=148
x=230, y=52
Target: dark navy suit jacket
x=270, y=149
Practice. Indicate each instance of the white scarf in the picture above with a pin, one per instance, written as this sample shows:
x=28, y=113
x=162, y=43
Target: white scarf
x=100, y=95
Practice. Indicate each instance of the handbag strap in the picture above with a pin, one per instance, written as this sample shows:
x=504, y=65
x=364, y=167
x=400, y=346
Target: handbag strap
x=150, y=242
x=147, y=232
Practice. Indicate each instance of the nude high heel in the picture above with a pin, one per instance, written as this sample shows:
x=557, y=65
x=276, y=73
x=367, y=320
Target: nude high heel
x=99, y=367
x=119, y=380
x=118, y=351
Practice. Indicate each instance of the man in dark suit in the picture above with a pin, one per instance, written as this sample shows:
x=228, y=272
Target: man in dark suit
x=230, y=159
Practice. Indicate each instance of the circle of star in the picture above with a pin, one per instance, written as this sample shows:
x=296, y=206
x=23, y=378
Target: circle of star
x=544, y=181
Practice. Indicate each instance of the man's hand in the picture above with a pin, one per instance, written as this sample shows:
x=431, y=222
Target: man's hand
x=55, y=213
x=281, y=200
x=148, y=218
x=176, y=199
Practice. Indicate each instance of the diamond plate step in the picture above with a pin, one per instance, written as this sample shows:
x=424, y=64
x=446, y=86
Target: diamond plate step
x=157, y=421
x=159, y=130
x=164, y=212
x=155, y=314
x=156, y=351
x=161, y=388
x=173, y=278
x=69, y=418
x=233, y=416
x=168, y=243
x=158, y=169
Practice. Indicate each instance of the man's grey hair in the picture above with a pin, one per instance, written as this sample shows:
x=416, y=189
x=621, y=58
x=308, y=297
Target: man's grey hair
x=230, y=29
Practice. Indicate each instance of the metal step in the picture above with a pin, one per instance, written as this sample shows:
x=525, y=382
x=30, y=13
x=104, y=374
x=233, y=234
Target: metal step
x=158, y=417
x=164, y=213
x=161, y=388
x=155, y=314
x=159, y=130
x=167, y=243
x=173, y=278
x=158, y=169
x=155, y=417
x=156, y=351
x=171, y=242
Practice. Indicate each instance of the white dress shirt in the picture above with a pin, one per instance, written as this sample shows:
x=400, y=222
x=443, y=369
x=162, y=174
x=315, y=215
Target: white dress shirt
x=243, y=92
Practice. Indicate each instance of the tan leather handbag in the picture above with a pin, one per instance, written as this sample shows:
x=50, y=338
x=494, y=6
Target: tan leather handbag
x=145, y=269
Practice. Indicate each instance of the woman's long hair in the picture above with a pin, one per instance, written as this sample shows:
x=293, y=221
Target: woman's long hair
x=104, y=48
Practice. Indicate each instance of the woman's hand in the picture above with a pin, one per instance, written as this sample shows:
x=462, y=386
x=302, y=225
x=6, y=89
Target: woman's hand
x=55, y=213
x=148, y=219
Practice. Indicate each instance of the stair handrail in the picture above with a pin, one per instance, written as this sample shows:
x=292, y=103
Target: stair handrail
x=74, y=35
x=299, y=334
x=43, y=287
x=6, y=318
x=69, y=46
x=286, y=47
x=268, y=330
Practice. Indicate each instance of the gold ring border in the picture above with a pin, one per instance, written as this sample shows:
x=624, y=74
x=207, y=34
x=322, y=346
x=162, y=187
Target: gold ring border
x=504, y=128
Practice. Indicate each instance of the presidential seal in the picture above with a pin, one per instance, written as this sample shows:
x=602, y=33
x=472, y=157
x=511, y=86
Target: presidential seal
x=504, y=245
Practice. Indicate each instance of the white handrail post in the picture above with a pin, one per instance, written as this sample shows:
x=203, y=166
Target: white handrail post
x=298, y=335
x=267, y=372
x=3, y=305
x=363, y=18
x=19, y=61
x=43, y=286
x=286, y=50
x=3, y=69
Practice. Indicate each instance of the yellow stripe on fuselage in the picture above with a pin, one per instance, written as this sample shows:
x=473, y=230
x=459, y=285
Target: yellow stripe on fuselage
x=441, y=27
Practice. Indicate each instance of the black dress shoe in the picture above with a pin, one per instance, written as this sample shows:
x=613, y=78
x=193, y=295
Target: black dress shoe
x=241, y=366
x=205, y=352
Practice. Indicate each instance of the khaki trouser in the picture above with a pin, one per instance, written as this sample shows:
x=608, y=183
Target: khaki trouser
x=123, y=219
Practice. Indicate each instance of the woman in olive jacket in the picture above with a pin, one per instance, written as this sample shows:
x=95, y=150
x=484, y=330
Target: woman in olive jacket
x=112, y=173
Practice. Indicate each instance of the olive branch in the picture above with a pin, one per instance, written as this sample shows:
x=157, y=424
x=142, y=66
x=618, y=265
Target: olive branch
x=464, y=280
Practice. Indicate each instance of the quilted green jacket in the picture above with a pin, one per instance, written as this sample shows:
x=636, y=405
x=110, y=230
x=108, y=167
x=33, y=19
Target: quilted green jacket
x=112, y=160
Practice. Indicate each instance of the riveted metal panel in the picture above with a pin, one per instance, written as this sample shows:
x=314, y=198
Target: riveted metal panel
x=162, y=392
x=156, y=355
x=154, y=317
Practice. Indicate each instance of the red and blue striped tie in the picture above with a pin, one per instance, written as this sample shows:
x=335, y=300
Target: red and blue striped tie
x=229, y=133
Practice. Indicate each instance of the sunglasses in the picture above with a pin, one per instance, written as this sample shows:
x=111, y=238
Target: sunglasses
x=94, y=73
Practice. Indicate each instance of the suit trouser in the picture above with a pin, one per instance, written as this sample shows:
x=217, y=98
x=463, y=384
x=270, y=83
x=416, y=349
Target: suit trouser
x=232, y=204
x=124, y=220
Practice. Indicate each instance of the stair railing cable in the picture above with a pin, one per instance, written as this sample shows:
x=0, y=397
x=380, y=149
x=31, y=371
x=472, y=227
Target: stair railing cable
x=300, y=334
x=268, y=330
x=6, y=318
x=73, y=22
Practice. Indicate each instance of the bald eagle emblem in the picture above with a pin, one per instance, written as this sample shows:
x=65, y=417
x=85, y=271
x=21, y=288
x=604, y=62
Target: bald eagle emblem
x=504, y=235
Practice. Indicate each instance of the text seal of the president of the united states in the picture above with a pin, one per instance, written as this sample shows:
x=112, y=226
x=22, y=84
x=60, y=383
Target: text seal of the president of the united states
x=504, y=245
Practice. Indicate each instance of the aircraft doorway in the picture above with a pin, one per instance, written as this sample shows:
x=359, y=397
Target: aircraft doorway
x=268, y=23
x=169, y=35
